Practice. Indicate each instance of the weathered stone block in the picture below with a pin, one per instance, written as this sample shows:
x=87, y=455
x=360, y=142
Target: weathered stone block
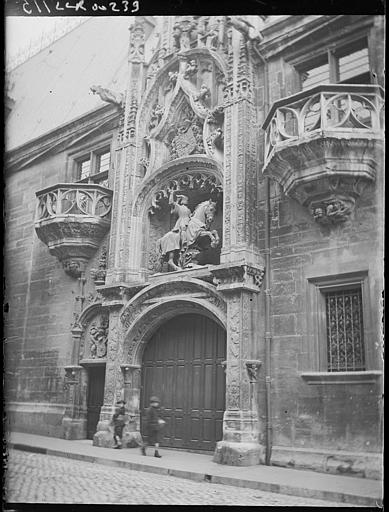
x=74, y=428
x=238, y=454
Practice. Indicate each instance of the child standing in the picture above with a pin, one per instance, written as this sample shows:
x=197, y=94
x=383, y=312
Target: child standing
x=118, y=421
x=153, y=425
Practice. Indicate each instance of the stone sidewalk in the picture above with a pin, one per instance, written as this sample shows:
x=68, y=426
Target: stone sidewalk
x=199, y=467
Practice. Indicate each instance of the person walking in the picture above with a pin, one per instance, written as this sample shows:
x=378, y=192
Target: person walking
x=153, y=426
x=118, y=421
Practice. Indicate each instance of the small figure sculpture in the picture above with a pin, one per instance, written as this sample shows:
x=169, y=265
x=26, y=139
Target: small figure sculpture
x=175, y=240
x=204, y=93
x=216, y=138
x=156, y=116
x=116, y=98
x=172, y=79
x=338, y=211
x=176, y=36
x=191, y=69
x=212, y=36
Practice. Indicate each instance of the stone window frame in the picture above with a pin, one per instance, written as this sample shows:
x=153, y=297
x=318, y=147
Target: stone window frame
x=331, y=52
x=92, y=151
x=316, y=312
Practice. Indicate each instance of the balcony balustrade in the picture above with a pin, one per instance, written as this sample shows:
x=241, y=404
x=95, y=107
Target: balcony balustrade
x=323, y=146
x=72, y=219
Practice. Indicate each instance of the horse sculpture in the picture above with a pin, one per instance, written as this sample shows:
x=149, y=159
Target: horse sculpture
x=180, y=247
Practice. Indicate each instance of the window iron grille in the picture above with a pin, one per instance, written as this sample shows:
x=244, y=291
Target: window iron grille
x=345, y=341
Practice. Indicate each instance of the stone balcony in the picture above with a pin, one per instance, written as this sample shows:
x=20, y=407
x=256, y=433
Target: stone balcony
x=72, y=219
x=324, y=146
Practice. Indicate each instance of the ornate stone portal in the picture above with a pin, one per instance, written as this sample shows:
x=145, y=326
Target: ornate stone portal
x=194, y=138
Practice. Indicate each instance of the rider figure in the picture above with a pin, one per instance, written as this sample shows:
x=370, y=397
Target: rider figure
x=189, y=229
x=176, y=239
x=180, y=208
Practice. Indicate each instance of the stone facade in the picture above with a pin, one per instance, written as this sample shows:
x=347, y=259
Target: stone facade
x=216, y=113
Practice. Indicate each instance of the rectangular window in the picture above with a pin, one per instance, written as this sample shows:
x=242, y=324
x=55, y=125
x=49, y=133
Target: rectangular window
x=338, y=322
x=348, y=64
x=94, y=166
x=316, y=76
x=354, y=67
x=344, y=329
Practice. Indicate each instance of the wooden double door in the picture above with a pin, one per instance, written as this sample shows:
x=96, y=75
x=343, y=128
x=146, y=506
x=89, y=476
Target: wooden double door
x=182, y=366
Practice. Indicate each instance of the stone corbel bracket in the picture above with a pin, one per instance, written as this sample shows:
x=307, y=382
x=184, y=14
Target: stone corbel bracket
x=253, y=366
x=128, y=371
x=232, y=277
x=72, y=373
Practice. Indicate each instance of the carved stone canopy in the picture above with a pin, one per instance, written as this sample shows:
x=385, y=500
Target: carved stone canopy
x=72, y=219
x=197, y=186
x=324, y=146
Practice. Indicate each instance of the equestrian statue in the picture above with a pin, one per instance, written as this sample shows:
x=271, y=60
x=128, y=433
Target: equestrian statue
x=191, y=234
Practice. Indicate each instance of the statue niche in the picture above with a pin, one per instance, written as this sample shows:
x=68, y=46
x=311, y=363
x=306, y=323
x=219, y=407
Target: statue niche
x=191, y=235
x=191, y=205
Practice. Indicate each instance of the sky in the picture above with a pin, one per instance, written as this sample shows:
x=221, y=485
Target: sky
x=20, y=31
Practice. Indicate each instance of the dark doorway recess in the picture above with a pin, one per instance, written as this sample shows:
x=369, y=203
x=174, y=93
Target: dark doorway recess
x=96, y=379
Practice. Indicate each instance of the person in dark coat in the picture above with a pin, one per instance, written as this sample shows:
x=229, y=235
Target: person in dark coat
x=118, y=421
x=153, y=425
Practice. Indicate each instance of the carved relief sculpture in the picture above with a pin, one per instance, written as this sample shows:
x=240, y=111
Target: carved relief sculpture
x=98, y=275
x=156, y=116
x=187, y=137
x=98, y=338
x=191, y=231
x=191, y=69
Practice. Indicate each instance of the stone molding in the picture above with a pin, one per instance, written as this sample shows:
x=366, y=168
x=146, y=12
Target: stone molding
x=159, y=180
x=116, y=295
x=158, y=303
x=235, y=277
x=365, y=377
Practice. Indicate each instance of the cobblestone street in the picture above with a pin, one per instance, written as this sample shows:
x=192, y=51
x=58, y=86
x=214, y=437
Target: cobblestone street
x=38, y=478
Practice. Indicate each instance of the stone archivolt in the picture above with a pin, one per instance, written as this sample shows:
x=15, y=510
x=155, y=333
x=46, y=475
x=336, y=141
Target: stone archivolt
x=158, y=303
x=186, y=173
x=196, y=176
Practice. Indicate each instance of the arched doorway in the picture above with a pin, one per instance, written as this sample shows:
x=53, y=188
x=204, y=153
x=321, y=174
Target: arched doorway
x=182, y=366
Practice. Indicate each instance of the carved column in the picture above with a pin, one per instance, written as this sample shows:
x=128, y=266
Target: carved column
x=74, y=421
x=113, y=389
x=131, y=376
x=125, y=237
x=240, y=158
x=242, y=428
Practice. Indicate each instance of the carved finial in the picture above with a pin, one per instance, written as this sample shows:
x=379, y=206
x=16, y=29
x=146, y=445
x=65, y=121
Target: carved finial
x=137, y=41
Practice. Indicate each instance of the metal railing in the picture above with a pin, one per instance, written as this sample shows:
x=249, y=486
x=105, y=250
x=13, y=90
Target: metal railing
x=324, y=108
x=73, y=199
